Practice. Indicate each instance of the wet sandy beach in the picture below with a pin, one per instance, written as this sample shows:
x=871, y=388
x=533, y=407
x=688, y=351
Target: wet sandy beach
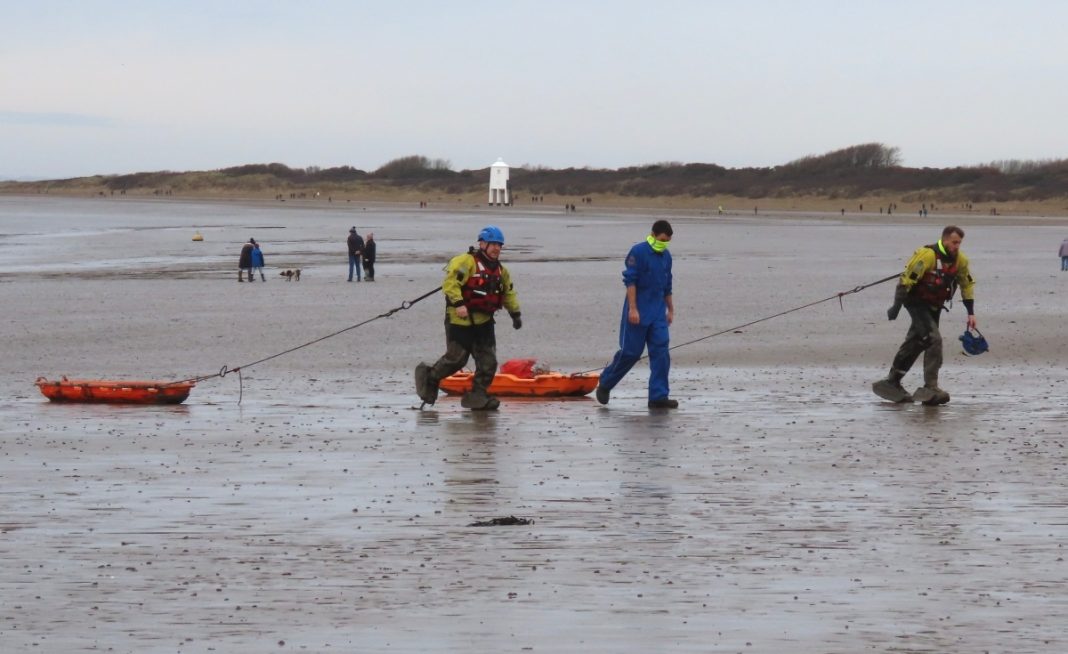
x=782, y=508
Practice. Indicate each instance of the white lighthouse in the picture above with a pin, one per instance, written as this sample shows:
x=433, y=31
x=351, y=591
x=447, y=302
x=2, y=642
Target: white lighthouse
x=498, y=188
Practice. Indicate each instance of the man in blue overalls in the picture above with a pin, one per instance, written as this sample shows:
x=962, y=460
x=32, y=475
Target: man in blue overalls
x=647, y=313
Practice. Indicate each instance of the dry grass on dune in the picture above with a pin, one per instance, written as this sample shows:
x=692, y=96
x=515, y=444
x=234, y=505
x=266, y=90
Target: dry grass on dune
x=440, y=199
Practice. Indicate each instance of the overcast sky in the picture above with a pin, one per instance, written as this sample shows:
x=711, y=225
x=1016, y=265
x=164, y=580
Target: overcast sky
x=91, y=87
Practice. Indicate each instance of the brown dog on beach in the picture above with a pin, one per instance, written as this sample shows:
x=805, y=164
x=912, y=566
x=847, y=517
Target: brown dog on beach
x=290, y=275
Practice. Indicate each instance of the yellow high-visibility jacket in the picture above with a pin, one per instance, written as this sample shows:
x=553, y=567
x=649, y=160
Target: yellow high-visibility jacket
x=457, y=273
x=923, y=261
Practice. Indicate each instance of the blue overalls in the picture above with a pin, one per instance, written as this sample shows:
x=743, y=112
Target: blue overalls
x=650, y=275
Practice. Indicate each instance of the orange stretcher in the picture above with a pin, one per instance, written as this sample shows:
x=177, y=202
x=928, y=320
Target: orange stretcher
x=115, y=391
x=552, y=384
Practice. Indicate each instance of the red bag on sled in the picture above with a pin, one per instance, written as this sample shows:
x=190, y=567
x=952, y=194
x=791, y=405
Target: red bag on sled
x=522, y=368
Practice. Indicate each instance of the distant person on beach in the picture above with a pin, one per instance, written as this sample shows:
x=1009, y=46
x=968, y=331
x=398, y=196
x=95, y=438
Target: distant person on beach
x=931, y=277
x=355, y=243
x=1064, y=255
x=370, y=249
x=257, y=262
x=476, y=286
x=244, y=262
x=648, y=311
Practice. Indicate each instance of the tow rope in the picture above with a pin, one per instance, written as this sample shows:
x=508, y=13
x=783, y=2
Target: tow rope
x=841, y=305
x=225, y=370
x=407, y=304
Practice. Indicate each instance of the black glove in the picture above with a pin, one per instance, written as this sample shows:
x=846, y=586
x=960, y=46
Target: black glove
x=900, y=293
x=517, y=322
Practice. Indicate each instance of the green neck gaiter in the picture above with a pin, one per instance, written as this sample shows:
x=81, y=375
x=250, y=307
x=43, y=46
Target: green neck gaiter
x=658, y=246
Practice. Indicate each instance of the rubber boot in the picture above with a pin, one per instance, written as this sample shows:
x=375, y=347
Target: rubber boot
x=250, y=277
x=664, y=403
x=930, y=394
x=890, y=389
x=240, y=275
x=263, y=277
x=425, y=387
x=602, y=394
x=478, y=400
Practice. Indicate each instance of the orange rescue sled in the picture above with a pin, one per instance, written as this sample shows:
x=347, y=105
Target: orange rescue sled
x=115, y=391
x=552, y=384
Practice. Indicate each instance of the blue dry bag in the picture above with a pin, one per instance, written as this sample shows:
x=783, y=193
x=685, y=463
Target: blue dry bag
x=973, y=343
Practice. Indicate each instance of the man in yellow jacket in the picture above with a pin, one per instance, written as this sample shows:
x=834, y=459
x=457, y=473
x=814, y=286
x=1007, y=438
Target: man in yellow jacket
x=476, y=286
x=931, y=277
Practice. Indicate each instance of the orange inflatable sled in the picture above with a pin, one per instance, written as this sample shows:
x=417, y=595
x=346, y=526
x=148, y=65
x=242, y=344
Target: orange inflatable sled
x=114, y=391
x=552, y=384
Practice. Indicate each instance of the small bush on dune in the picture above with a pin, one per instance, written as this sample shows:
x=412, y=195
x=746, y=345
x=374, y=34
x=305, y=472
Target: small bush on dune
x=855, y=171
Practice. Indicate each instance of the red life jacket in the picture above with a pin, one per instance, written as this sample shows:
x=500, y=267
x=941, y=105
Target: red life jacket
x=937, y=285
x=484, y=289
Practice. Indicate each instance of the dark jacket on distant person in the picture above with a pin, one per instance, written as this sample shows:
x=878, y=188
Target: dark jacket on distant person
x=355, y=244
x=245, y=261
x=369, y=250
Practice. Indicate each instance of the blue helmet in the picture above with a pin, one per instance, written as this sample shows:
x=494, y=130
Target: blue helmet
x=491, y=234
x=973, y=343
